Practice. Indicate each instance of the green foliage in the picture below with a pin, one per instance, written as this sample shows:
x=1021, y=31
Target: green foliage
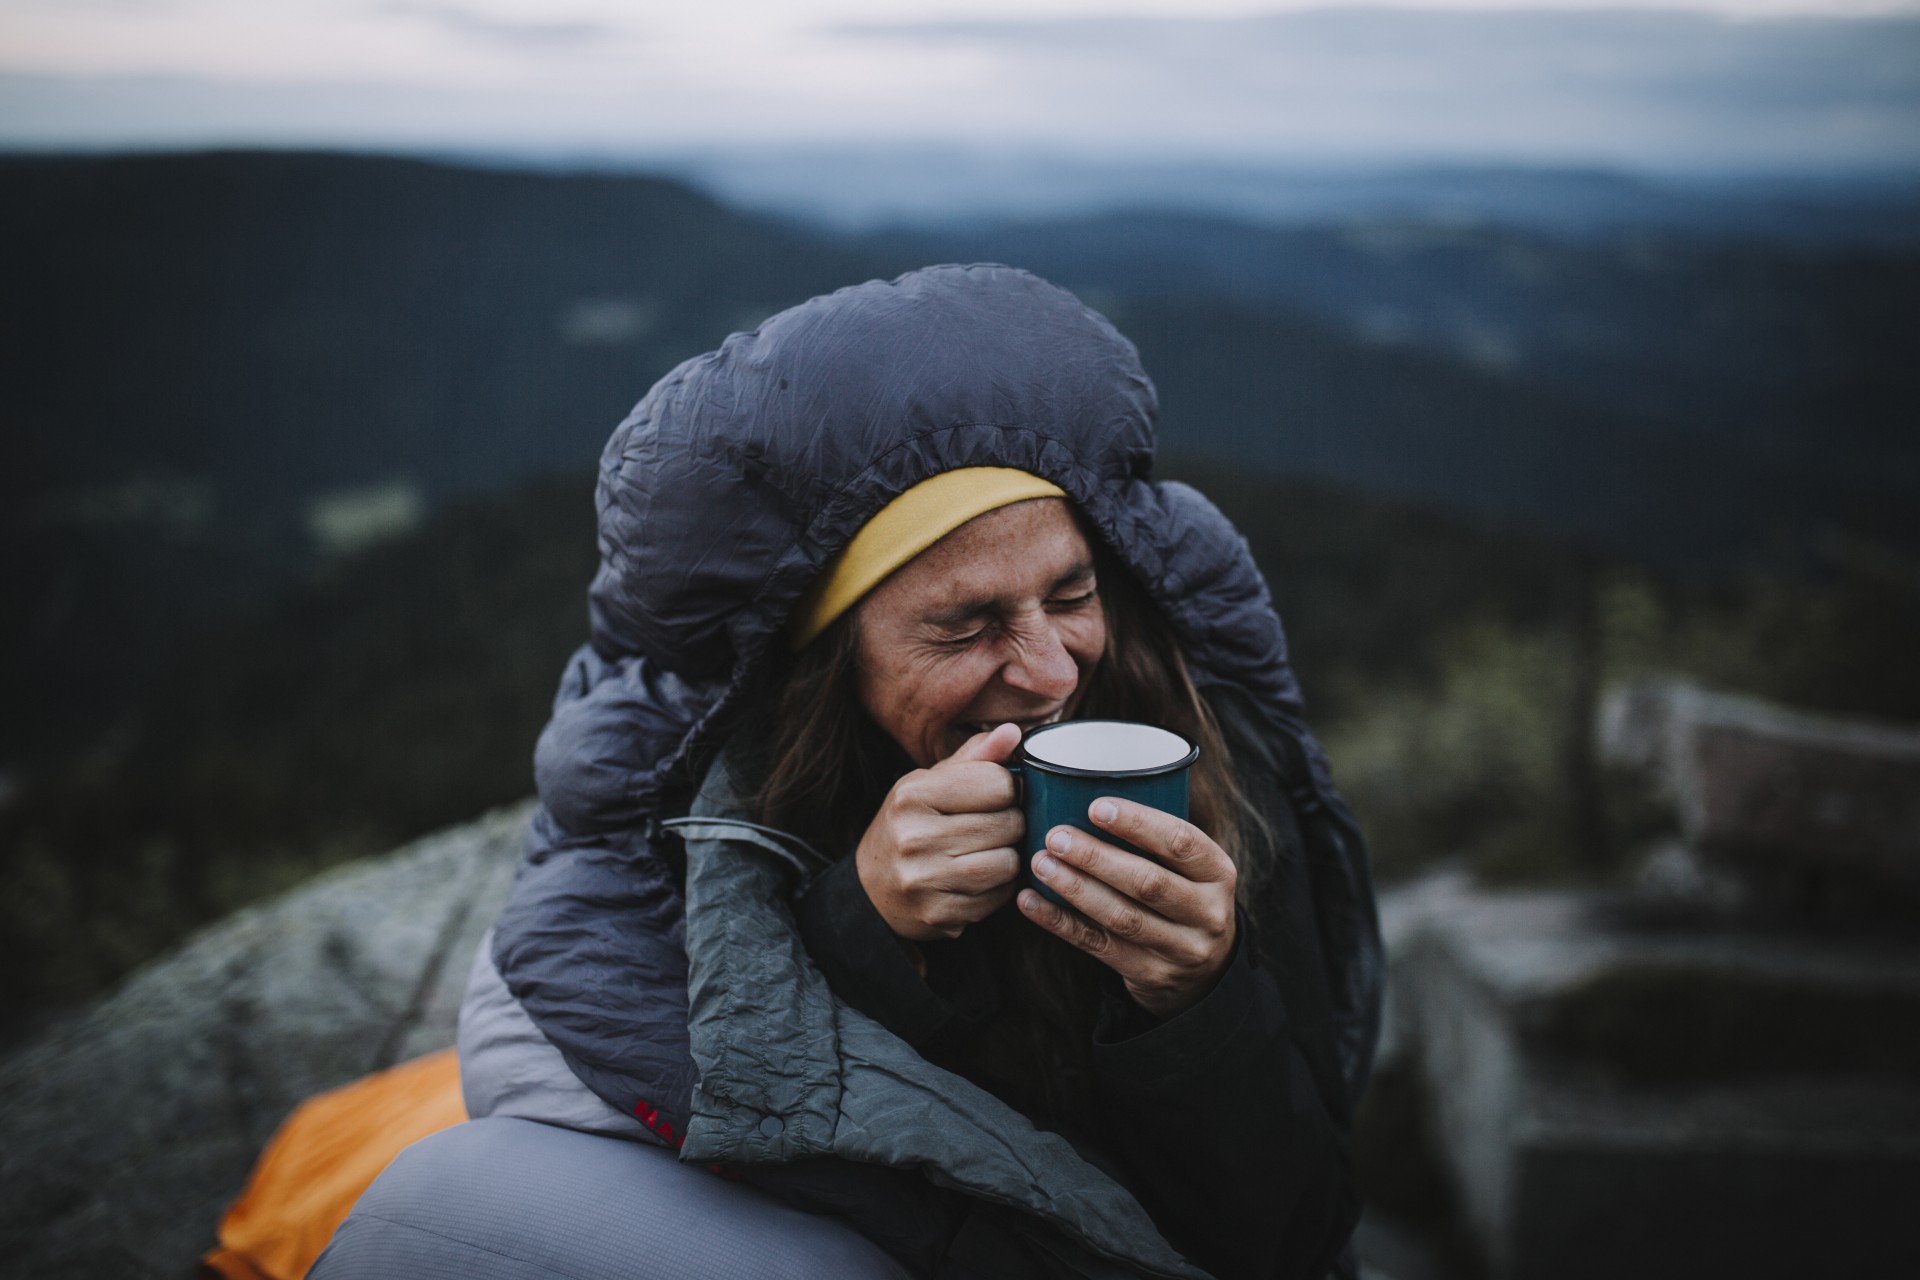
x=1490, y=757
x=398, y=692
x=1843, y=641
x=1473, y=762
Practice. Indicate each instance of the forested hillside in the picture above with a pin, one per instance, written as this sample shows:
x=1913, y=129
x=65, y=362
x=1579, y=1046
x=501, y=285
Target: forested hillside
x=297, y=495
x=218, y=361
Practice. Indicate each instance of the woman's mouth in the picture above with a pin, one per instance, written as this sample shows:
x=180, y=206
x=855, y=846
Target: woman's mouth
x=972, y=727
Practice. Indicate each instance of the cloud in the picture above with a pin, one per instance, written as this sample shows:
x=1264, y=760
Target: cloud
x=460, y=20
x=1675, y=91
x=1669, y=88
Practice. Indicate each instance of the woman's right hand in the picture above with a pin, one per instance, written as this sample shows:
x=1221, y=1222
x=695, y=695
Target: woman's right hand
x=942, y=852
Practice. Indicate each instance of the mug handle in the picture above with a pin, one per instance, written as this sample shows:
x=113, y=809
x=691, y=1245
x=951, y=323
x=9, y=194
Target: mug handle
x=1027, y=877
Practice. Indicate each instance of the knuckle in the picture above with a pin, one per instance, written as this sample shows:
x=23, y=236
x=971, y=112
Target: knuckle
x=1128, y=924
x=920, y=834
x=1190, y=954
x=1184, y=842
x=1152, y=889
x=986, y=874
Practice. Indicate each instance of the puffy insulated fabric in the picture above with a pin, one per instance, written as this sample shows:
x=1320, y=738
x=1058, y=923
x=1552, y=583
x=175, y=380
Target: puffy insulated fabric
x=789, y=1072
x=720, y=498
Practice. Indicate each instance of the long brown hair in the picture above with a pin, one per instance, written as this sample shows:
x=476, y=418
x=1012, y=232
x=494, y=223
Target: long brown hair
x=820, y=760
x=813, y=763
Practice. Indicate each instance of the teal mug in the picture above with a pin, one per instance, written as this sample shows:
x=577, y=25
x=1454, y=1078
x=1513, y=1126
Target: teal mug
x=1061, y=769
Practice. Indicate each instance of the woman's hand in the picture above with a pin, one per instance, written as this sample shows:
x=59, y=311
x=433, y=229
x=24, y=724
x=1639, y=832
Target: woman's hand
x=941, y=853
x=1166, y=930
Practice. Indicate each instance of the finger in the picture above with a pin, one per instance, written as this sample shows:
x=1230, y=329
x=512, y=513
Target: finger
x=987, y=871
x=975, y=786
x=1184, y=847
x=952, y=913
x=1119, y=916
x=995, y=745
x=1072, y=928
x=1160, y=987
x=966, y=833
x=974, y=908
x=1163, y=892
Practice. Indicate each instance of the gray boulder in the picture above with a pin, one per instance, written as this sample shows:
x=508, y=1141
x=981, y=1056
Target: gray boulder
x=1760, y=785
x=126, y=1128
x=1611, y=1099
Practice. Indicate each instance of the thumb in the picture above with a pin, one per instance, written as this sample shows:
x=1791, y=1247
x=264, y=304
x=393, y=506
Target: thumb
x=995, y=745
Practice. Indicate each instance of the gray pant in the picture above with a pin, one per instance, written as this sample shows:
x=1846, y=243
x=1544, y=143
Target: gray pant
x=504, y=1199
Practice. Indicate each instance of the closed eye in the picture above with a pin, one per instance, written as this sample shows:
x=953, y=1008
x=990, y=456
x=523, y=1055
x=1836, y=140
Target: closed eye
x=959, y=626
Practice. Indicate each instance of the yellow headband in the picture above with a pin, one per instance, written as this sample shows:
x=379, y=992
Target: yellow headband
x=901, y=530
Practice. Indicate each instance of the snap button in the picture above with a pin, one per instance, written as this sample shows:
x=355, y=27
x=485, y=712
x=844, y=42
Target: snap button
x=772, y=1126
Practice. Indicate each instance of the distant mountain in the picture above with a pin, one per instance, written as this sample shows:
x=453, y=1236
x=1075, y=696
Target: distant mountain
x=226, y=368
x=868, y=188
x=221, y=365
x=280, y=324
x=1794, y=360
x=1248, y=387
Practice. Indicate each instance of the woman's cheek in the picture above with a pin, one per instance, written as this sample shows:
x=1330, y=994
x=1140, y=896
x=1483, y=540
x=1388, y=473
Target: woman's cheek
x=1090, y=639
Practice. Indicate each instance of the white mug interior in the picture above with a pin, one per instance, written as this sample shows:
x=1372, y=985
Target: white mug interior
x=1107, y=746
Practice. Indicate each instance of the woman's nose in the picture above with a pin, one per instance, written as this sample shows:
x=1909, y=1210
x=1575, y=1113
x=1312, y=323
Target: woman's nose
x=1041, y=665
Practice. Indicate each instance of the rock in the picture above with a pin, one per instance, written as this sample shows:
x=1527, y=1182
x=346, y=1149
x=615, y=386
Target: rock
x=1615, y=1100
x=1755, y=782
x=126, y=1129
x=1674, y=878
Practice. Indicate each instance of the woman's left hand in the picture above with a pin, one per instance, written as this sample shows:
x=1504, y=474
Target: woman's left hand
x=1166, y=930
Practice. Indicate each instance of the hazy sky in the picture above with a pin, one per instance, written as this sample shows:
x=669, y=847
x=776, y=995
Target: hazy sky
x=1721, y=84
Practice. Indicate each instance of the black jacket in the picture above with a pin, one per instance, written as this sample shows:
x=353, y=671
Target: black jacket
x=1210, y=1119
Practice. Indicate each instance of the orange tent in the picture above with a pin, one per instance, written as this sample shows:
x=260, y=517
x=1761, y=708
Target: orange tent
x=326, y=1153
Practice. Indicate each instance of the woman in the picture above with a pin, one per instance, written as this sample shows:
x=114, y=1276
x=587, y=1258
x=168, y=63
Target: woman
x=769, y=916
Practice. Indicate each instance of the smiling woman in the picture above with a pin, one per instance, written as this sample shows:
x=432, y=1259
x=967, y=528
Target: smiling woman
x=997, y=622
x=769, y=921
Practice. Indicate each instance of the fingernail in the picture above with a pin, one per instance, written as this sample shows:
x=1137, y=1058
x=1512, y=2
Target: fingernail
x=1043, y=866
x=1105, y=811
x=1059, y=841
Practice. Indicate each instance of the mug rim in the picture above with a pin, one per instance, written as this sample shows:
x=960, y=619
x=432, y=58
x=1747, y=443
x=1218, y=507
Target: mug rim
x=1074, y=771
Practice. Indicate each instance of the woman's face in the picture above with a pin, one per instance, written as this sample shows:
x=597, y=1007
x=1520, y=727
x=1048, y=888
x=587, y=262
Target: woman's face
x=998, y=621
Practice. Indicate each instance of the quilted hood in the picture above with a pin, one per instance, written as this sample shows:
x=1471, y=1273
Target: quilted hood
x=723, y=495
x=739, y=475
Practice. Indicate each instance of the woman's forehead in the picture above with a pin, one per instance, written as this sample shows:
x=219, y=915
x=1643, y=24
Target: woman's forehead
x=1007, y=536
x=1031, y=546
